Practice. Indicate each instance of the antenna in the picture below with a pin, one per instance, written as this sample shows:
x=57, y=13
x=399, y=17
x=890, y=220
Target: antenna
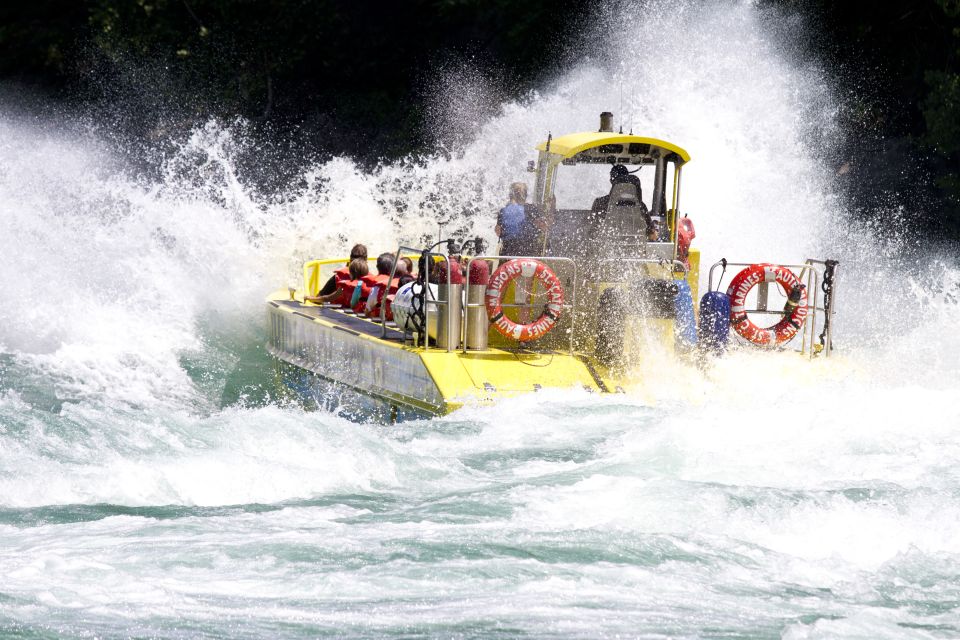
x=621, y=96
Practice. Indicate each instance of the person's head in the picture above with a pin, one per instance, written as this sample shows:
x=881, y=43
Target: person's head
x=518, y=192
x=409, y=264
x=617, y=172
x=358, y=268
x=358, y=251
x=385, y=263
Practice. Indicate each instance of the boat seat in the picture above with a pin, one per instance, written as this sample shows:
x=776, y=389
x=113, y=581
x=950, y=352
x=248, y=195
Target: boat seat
x=624, y=225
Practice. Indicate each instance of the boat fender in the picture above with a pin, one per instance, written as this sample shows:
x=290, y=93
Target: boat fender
x=684, y=324
x=493, y=299
x=794, y=312
x=439, y=275
x=479, y=272
x=685, y=235
x=611, y=315
x=403, y=308
x=477, y=330
x=714, y=321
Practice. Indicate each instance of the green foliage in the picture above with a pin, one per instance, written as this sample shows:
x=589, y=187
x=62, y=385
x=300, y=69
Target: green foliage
x=941, y=111
x=357, y=76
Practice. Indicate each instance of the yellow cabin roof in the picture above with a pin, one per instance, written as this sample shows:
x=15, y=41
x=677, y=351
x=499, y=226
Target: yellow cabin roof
x=573, y=143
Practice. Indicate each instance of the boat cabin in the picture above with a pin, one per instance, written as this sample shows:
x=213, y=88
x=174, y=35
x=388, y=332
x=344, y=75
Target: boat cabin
x=596, y=218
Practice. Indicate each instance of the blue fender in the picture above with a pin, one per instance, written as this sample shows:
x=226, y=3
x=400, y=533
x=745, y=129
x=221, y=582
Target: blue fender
x=685, y=324
x=715, y=321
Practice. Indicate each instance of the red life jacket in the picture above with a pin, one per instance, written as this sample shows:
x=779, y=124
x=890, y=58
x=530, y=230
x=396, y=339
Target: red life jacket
x=342, y=274
x=346, y=288
x=384, y=286
x=364, y=293
x=389, y=303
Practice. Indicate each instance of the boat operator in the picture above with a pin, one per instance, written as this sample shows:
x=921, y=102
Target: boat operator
x=619, y=174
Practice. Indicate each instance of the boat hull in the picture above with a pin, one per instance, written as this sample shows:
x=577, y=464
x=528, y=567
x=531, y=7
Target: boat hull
x=315, y=346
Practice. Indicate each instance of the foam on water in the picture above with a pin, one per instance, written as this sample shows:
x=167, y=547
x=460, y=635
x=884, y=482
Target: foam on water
x=766, y=497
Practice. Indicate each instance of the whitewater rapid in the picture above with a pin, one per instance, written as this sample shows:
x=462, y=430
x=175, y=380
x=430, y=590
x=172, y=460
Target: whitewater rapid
x=151, y=485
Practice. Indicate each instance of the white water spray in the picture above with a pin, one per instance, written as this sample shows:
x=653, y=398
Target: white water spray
x=772, y=497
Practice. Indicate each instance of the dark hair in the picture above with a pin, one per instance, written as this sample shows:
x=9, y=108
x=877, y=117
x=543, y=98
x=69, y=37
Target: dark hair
x=385, y=263
x=358, y=268
x=407, y=261
x=358, y=251
x=618, y=171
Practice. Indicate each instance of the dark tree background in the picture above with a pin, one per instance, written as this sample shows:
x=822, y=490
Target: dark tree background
x=356, y=75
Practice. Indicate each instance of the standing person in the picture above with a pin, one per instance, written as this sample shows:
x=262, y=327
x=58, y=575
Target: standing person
x=518, y=225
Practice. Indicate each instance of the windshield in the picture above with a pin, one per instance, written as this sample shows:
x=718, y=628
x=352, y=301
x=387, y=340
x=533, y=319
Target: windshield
x=577, y=186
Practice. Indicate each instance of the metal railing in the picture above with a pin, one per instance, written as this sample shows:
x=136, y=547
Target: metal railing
x=677, y=265
x=813, y=272
x=433, y=258
x=313, y=272
x=312, y=281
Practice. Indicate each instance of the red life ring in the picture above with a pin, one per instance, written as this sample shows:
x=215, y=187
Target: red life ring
x=493, y=300
x=784, y=330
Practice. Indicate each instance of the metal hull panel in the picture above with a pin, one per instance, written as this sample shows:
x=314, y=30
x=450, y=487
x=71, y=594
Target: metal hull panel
x=409, y=380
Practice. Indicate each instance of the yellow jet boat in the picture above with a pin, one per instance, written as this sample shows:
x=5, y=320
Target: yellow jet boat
x=614, y=282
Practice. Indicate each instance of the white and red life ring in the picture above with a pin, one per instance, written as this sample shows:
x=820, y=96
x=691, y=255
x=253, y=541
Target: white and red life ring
x=493, y=300
x=784, y=330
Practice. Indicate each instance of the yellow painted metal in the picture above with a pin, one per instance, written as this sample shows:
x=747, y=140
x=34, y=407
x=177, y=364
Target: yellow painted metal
x=311, y=276
x=475, y=377
x=693, y=275
x=523, y=372
x=673, y=204
x=313, y=271
x=485, y=375
x=571, y=144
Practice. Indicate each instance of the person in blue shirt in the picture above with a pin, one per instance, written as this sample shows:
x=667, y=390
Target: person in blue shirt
x=519, y=225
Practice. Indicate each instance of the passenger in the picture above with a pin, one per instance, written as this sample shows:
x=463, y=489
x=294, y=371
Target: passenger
x=619, y=174
x=343, y=273
x=519, y=224
x=345, y=289
x=403, y=272
x=378, y=284
x=408, y=274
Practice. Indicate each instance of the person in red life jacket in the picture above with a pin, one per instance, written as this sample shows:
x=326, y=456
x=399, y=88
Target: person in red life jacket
x=343, y=273
x=377, y=285
x=344, y=291
x=405, y=270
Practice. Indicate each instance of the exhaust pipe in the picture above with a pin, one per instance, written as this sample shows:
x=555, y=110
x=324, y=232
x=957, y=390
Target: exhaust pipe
x=606, y=122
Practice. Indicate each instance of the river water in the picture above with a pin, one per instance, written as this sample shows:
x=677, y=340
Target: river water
x=151, y=485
